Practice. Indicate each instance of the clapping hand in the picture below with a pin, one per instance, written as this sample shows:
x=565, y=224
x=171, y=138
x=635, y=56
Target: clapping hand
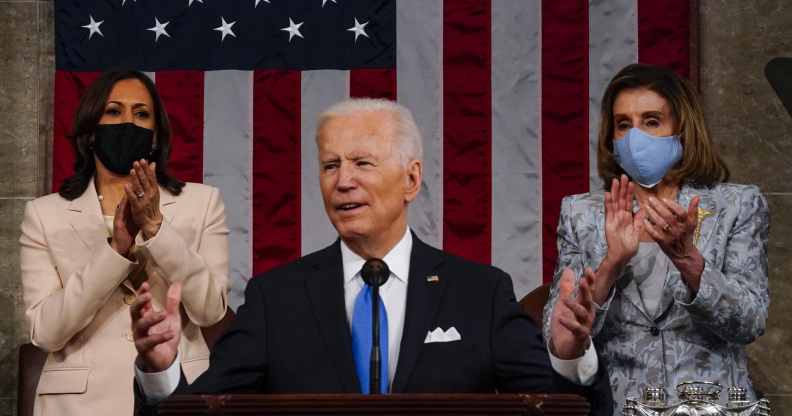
x=573, y=316
x=622, y=233
x=156, y=333
x=622, y=227
x=673, y=228
x=143, y=195
x=124, y=229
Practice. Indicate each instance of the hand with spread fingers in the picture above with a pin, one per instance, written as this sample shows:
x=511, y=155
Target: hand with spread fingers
x=573, y=316
x=156, y=333
x=622, y=234
x=622, y=228
x=673, y=228
x=143, y=195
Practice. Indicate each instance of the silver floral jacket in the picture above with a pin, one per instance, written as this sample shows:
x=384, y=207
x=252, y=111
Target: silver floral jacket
x=689, y=339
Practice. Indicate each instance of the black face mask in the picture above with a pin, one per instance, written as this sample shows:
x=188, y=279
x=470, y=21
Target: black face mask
x=119, y=145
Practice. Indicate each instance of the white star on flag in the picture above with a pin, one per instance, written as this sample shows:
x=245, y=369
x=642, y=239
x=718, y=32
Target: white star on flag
x=94, y=27
x=293, y=29
x=190, y=2
x=259, y=1
x=159, y=29
x=225, y=28
x=359, y=29
x=325, y=1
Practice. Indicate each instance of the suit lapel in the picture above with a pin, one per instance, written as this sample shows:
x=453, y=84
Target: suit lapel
x=325, y=288
x=423, y=301
x=629, y=290
x=167, y=205
x=85, y=218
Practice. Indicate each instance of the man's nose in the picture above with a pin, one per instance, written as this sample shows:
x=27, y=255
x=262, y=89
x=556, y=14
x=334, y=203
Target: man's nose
x=346, y=177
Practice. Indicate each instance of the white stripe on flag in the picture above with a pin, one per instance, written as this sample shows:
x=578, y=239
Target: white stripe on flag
x=319, y=90
x=228, y=132
x=613, y=43
x=419, y=55
x=516, y=223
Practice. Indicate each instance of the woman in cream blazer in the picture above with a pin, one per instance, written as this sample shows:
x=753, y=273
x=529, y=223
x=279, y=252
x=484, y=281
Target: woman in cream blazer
x=83, y=255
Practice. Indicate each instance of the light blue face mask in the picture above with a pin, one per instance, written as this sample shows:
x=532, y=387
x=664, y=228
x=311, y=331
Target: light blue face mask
x=647, y=158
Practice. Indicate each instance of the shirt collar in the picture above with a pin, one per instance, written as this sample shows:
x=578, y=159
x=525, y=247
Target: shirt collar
x=397, y=259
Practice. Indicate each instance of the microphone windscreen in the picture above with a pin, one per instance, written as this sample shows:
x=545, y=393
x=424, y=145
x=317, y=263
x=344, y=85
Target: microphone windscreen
x=375, y=272
x=779, y=73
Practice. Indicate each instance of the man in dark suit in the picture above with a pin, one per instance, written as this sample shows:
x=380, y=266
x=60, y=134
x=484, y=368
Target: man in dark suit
x=449, y=325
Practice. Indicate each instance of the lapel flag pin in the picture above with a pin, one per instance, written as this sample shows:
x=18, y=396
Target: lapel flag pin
x=702, y=215
x=432, y=279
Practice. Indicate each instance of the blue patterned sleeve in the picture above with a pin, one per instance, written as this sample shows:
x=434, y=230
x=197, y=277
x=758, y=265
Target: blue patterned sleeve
x=733, y=301
x=570, y=254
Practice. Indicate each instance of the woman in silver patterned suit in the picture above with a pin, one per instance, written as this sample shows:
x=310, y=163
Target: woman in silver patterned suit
x=679, y=256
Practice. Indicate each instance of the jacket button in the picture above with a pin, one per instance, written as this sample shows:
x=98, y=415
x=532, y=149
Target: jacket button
x=129, y=299
x=655, y=331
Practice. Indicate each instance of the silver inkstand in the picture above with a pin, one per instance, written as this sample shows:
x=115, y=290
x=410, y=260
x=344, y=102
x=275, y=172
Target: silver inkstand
x=696, y=398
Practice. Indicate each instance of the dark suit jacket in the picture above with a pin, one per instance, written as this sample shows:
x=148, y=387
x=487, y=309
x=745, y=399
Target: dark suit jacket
x=292, y=334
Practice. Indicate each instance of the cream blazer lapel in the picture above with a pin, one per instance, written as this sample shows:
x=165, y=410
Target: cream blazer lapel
x=85, y=218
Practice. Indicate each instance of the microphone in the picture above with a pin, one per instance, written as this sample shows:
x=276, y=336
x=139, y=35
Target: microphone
x=375, y=273
x=779, y=73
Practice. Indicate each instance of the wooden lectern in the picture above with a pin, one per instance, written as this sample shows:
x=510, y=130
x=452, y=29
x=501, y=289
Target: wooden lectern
x=392, y=404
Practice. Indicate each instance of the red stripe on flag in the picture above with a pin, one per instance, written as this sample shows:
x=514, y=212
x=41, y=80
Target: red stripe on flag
x=664, y=34
x=565, y=167
x=467, y=129
x=69, y=87
x=276, y=168
x=182, y=93
x=373, y=83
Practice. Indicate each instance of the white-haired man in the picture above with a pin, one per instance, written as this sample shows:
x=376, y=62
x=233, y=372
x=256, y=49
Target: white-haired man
x=300, y=326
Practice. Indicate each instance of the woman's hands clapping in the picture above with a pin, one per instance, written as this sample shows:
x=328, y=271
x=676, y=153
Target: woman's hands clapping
x=124, y=229
x=622, y=227
x=622, y=233
x=673, y=227
x=143, y=195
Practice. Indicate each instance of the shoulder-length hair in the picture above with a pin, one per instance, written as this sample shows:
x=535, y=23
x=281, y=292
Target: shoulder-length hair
x=701, y=164
x=89, y=112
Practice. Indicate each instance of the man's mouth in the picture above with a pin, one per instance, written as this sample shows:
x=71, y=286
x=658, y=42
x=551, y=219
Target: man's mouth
x=351, y=206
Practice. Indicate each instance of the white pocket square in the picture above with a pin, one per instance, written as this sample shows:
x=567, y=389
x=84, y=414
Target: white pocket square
x=438, y=335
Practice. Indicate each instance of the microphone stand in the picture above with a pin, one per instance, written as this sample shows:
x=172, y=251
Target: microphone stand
x=375, y=273
x=376, y=353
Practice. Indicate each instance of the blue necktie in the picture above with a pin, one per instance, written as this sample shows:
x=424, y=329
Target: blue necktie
x=361, y=340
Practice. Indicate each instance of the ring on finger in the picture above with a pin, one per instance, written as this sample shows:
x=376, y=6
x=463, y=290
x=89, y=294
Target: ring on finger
x=667, y=227
x=140, y=194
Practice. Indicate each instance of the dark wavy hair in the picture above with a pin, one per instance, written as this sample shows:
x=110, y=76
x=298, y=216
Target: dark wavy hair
x=92, y=106
x=701, y=164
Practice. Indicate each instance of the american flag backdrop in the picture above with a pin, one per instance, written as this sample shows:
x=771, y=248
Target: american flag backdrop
x=506, y=93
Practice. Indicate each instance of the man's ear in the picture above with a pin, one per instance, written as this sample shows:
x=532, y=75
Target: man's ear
x=414, y=179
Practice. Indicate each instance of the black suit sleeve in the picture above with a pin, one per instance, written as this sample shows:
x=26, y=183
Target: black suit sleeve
x=238, y=361
x=522, y=363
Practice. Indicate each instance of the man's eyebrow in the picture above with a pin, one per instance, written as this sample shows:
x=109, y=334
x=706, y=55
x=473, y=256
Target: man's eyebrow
x=330, y=158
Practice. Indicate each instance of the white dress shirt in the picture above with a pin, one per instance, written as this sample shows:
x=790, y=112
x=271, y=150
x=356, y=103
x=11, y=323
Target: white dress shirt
x=160, y=385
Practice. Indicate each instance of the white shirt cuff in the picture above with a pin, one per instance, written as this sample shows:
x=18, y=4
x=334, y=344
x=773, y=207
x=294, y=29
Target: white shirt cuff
x=158, y=386
x=581, y=370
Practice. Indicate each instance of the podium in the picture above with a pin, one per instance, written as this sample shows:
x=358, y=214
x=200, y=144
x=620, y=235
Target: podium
x=393, y=404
